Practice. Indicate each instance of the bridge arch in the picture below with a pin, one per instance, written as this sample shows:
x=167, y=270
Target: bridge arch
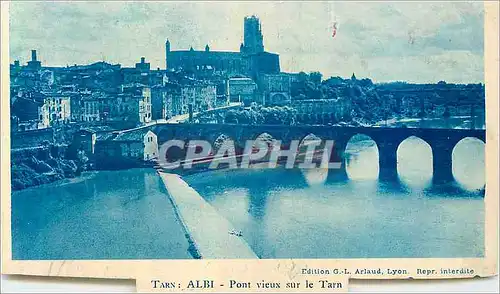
x=304, y=142
x=468, y=163
x=415, y=162
x=307, y=139
x=222, y=140
x=278, y=98
x=316, y=175
x=361, y=157
x=265, y=137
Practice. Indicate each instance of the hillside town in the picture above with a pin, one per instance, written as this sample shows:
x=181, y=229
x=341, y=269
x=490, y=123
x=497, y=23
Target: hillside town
x=198, y=80
x=99, y=110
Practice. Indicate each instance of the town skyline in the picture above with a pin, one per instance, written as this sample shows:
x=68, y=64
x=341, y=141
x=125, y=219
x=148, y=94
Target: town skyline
x=458, y=60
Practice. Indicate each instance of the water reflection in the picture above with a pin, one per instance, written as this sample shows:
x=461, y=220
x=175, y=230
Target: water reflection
x=310, y=213
x=315, y=176
x=361, y=157
x=415, y=163
x=468, y=163
x=289, y=218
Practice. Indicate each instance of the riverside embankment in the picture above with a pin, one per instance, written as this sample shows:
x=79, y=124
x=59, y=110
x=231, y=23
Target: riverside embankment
x=213, y=236
x=41, y=165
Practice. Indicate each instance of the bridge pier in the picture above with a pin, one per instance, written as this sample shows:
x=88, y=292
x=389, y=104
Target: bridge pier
x=442, y=165
x=388, y=160
x=338, y=156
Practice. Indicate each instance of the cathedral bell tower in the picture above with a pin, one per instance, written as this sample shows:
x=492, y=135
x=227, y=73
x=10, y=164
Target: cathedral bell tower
x=253, y=41
x=167, y=51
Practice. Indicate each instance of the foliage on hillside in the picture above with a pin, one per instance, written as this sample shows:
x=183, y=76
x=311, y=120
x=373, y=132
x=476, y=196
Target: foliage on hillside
x=257, y=114
x=42, y=165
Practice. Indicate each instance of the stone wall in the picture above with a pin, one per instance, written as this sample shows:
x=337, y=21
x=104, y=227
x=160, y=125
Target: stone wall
x=31, y=138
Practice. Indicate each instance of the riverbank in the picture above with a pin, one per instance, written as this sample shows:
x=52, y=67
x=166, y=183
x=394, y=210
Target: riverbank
x=41, y=165
x=212, y=236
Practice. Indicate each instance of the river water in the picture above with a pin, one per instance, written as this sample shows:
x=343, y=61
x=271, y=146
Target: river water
x=292, y=213
x=454, y=122
x=101, y=215
x=282, y=213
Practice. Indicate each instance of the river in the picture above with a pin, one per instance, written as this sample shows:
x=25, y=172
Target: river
x=282, y=213
x=320, y=214
x=454, y=122
x=101, y=215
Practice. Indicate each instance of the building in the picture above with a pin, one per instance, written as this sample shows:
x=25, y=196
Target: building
x=34, y=64
x=158, y=102
x=134, y=104
x=59, y=108
x=55, y=110
x=151, y=151
x=276, y=88
x=206, y=61
x=200, y=95
x=322, y=111
x=242, y=90
x=131, y=105
x=29, y=113
x=85, y=139
x=166, y=101
x=141, y=73
x=172, y=100
x=158, y=77
x=38, y=110
x=31, y=75
x=253, y=41
x=206, y=96
x=252, y=60
x=128, y=148
x=90, y=108
x=77, y=99
x=96, y=76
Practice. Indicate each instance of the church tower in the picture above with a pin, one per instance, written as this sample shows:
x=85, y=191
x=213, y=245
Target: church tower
x=167, y=51
x=253, y=42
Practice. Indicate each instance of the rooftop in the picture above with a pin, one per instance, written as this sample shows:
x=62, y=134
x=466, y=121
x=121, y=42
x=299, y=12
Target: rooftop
x=133, y=135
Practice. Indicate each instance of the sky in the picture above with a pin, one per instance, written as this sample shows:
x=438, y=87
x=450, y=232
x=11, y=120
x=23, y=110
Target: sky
x=386, y=41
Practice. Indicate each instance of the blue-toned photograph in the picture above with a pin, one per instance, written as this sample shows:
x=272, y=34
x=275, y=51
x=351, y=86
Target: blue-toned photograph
x=261, y=130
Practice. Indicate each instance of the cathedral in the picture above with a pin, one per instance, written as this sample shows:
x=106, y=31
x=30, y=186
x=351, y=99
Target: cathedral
x=252, y=60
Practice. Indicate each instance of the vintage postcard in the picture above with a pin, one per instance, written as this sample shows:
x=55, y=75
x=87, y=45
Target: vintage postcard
x=250, y=146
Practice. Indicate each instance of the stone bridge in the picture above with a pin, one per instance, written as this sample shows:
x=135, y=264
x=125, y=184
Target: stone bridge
x=441, y=141
x=425, y=98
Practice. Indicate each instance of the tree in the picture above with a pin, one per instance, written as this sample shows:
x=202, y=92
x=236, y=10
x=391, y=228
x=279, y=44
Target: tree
x=302, y=77
x=231, y=117
x=315, y=78
x=244, y=117
x=365, y=83
x=255, y=116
